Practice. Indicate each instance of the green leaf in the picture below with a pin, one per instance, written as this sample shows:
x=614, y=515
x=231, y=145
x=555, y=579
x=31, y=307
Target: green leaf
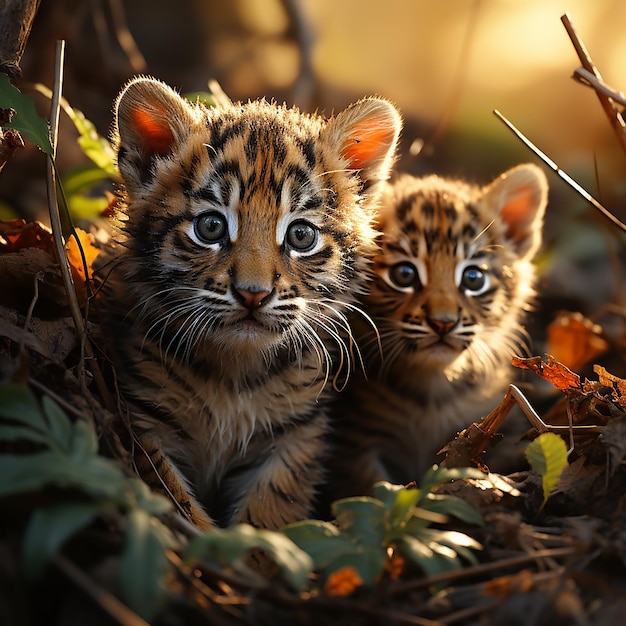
x=23, y=433
x=368, y=561
x=25, y=120
x=60, y=426
x=99, y=477
x=144, y=565
x=452, y=506
x=430, y=561
x=228, y=547
x=18, y=403
x=547, y=456
x=48, y=529
x=361, y=518
x=322, y=541
x=83, y=442
x=145, y=499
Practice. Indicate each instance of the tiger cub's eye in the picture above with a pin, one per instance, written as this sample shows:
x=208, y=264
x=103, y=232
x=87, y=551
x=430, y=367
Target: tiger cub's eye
x=302, y=236
x=210, y=227
x=404, y=274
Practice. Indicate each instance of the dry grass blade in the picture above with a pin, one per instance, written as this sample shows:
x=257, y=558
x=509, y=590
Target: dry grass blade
x=566, y=177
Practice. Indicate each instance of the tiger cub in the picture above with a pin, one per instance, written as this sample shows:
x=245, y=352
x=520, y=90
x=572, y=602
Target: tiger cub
x=244, y=242
x=452, y=281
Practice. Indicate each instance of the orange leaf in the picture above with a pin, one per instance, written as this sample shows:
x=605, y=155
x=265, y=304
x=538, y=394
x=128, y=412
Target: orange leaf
x=16, y=235
x=575, y=340
x=610, y=380
x=75, y=258
x=343, y=582
x=551, y=370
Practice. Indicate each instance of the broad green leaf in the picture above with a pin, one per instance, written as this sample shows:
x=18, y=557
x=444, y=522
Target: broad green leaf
x=547, y=456
x=49, y=528
x=141, y=496
x=83, y=442
x=83, y=179
x=361, y=518
x=368, y=561
x=96, y=147
x=453, y=506
x=23, y=433
x=458, y=542
x=18, y=403
x=58, y=422
x=228, y=547
x=85, y=208
x=144, y=564
x=430, y=561
x=322, y=541
x=25, y=120
x=98, y=477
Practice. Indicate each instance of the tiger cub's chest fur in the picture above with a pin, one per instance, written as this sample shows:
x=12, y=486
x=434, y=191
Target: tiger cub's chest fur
x=452, y=281
x=246, y=238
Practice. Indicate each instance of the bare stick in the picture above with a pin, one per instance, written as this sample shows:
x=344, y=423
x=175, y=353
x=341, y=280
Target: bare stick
x=615, y=119
x=585, y=77
x=566, y=177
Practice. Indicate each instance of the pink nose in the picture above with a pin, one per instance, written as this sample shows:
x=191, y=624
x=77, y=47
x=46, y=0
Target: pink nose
x=252, y=299
x=441, y=326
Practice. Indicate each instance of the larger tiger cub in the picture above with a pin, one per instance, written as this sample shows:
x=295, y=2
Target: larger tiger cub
x=245, y=241
x=453, y=279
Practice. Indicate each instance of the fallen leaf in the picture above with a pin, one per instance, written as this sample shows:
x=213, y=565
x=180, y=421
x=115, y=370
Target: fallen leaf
x=614, y=382
x=75, y=258
x=574, y=340
x=343, y=582
x=551, y=370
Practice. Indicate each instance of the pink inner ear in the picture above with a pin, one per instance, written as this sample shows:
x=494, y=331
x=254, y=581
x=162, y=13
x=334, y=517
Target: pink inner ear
x=515, y=212
x=368, y=142
x=156, y=134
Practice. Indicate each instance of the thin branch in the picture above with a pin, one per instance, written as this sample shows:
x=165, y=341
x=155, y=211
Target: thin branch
x=615, y=119
x=587, y=78
x=105, y=600
x=566, y=177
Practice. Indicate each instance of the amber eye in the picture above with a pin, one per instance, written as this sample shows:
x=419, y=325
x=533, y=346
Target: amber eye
x=404, y=274
x=474, y=279
x=210, y=227
x=302, y=236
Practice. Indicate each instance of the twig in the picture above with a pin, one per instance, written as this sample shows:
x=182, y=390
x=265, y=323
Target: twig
x=480, y=570
x=57, y=231
x=587, y=78
x=566, y=177
x=615, y=119
x=105, y=600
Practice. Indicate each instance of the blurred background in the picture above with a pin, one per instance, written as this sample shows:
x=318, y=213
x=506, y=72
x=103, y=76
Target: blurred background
x=447, y=65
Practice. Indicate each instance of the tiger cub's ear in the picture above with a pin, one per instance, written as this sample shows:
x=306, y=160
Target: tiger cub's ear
x=366, y=134
x=150, y=120
x=520, y=196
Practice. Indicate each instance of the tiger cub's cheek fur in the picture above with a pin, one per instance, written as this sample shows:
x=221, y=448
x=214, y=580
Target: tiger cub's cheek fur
x=247, y=235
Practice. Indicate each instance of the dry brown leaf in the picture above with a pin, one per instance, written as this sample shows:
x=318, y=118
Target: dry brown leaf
x=610, y=380
x=574, y=340
x=551, y=370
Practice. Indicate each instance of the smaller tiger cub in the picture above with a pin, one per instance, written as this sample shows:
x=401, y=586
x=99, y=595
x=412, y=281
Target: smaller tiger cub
x=452, y=282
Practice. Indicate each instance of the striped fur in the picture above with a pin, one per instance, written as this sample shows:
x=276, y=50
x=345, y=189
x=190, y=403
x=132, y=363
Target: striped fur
x=453, y=279
x=244, y=244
